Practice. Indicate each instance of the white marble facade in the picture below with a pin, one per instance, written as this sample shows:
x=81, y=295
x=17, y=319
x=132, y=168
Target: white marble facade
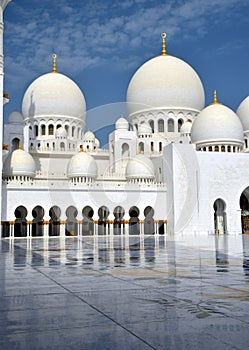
x=173, y=163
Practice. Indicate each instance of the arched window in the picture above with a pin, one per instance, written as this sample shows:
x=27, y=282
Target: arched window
x=222, y=148
x=160, y=146
x=15, y=143
x=151, y=123
x=125, y=150
x=43, y=130
x=73, y=131
x=51, y=129
x=160, y=125
x=216, y=148
x=180, y=122
x=62, y=146
x=141, y=147
x=152, y=146
x=246, y=143
x=171, y=126
x=229, y=149
x=210, y=148
x=204, y=149
x=36, y=130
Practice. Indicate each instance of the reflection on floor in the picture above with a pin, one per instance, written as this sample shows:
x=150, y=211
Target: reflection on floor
x=127, y=292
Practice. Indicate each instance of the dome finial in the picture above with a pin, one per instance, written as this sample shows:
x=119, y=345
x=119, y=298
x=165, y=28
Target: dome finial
x=54, y=63
x=215, y=101
x=163, y=36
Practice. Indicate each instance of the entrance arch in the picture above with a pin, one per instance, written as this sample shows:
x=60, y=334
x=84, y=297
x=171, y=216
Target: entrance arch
x=20, y=226
x=244, y=206
x=220, y=219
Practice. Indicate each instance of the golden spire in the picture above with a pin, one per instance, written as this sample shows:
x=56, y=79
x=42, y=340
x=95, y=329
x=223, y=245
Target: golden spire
x=215, y=101
x=54, y=63
x=163, y=36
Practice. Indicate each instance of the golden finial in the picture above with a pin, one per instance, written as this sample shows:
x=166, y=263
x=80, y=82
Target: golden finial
x=215, y=101
x=54, y=63
x=163, y=36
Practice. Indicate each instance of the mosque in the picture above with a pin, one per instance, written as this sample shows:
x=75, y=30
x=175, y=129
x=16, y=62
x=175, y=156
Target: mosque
x=174, y=166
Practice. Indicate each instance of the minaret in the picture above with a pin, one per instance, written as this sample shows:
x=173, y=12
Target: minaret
x=3, y=4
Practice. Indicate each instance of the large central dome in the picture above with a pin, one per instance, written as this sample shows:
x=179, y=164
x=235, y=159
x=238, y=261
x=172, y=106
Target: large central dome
x=165, y=81
x=53, y=94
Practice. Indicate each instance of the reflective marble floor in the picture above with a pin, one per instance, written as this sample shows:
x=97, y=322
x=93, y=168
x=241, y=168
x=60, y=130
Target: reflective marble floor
x=188, y=292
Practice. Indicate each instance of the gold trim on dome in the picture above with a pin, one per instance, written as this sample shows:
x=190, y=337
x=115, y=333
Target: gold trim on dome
x=163, y=36
x=54, y=63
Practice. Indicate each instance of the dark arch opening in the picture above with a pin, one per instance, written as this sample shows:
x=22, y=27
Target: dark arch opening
x=118, y=213
x=149, y=221
x=15, y=143
x=37, y=222
x=134, y=221
x=87, y=223
x=54, y=222
x=244, y=206
x=20, y=226
x=103, y=226
x=71, y=221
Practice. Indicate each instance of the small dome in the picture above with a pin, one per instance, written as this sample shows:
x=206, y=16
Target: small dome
x=89, y=136
x=165, y=81
x=144, y=128
x=243, y=113
x=217, y=123
x=140, y=167
x=82, y=165
x=61, y=132
x=19, y=163
x=53, y=94
x=15, y=118
x=186, y=127
x=122, y=124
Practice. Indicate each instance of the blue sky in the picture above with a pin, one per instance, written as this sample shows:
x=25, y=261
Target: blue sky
x=100, y=44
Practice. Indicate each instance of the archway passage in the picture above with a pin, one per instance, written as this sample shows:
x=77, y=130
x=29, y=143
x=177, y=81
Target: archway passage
x=37, y=222
x=54, y=222
x=103, y=214
x=118, y=220
x=20, y=226
x=149, y=221
x=71, y=222
x=220, y=220
x=87, y=224
x=244, y=206
x=134, y=221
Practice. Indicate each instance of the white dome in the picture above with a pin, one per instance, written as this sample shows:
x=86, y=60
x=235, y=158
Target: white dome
x=15, y=118
x=19, y=163
x=61, y=132
x=89, y=136
x=217, y=123
x=122, y=124
x=144, y=128
x=140, y=167
x=165, y=81
x=243, y=113
x=82, y=164
x=53, y=94
x=186, y=127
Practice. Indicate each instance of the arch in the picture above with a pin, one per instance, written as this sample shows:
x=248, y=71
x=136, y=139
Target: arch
x=87, y=223
x=43, y=130
x=37, y=222
x=220, y=220
x=71, y=221
x=51, y=129
x=160, y=146
x=54, y=222
x=149, y=221
x=36, y=130
x=125, y=150
x=20, y=226
x=151, y=123
x=134, y=221
x=171, y=125
x=15, y=143
x=103, y=214
x=180, y=122
x=160, y=125
x=244, y=206
x=152, y=146
x=216, y=148
x=118, y=224
x=141, y=147
x=223, y=149
x=62, y=146
x=210, y=149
